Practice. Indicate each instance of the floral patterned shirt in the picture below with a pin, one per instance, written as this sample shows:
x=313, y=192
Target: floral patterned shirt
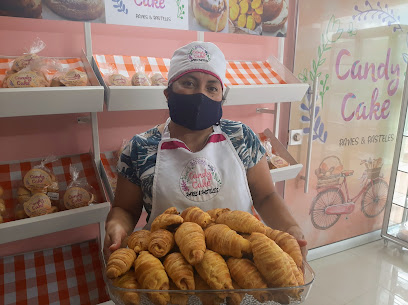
x=138, y=159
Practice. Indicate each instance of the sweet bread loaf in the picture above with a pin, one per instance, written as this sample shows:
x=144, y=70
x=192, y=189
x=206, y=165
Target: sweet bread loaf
x=36, y=180
x=23, y=61
x=39, y=204
x=26, y=79
x=74, y=77
x=78, y=9
x=118, y=80
x=140, y=79
x=76, y=197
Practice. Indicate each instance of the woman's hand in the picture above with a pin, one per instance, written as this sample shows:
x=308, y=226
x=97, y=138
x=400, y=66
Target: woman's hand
x=115, y=238
x=297, y=233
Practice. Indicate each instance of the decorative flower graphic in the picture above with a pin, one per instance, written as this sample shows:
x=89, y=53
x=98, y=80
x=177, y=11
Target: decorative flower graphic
x=120, y=6
x=184, y=186
x=384, y=14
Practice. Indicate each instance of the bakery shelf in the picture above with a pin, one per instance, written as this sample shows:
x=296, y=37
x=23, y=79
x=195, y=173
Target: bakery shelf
x=60, y=221
x=260, y=83
x=12, y=174
x=287, y=172
x=53, y=100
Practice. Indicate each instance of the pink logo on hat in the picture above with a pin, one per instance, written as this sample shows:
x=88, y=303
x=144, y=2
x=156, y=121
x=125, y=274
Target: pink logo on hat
x=199, y=53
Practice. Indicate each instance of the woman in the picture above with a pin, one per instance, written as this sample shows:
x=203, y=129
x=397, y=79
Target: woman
x=195, y=158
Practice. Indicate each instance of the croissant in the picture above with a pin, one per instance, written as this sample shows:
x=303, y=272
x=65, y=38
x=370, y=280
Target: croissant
x=161, y=242
x=296, y=271
x=235, y=298
x=120, y=262
x=241, y=221
x=166, y=221
x=206, y=298
x=172, y=210
x=150, y=274
x=220, y=238
x=246, y=275
x=128, y=281
x=271, y=261
x=288, y=244
x=214, y=213
x=139, y=240
x=180, y=271
x=197, y=215
x=177, y=298
x=190, y=239
x=214, y=270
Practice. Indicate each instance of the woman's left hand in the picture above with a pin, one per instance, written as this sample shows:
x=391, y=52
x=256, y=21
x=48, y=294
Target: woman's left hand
x=297, y=233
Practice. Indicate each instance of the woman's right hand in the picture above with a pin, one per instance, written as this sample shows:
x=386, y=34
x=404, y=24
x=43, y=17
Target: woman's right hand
x=115, y=238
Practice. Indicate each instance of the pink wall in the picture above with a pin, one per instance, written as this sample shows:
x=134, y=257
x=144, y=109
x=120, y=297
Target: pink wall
x=38, y=136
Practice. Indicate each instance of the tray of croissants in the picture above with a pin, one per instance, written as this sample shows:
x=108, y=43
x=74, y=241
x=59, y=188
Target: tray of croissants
x=208, y=257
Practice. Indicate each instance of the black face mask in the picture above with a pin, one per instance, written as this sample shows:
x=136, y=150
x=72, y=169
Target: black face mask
x=194, y=111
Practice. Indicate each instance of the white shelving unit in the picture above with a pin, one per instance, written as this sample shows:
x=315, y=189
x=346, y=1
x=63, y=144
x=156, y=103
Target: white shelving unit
x=125, y=98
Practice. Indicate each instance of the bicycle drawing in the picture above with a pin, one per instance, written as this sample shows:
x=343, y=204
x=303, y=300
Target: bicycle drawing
x=333, y=198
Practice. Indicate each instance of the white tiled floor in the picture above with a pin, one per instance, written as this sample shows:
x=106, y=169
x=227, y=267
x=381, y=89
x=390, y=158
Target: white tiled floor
x=371, y=274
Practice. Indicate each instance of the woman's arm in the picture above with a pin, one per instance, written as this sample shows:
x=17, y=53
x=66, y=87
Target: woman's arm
x=124, y=214
x=270, y=205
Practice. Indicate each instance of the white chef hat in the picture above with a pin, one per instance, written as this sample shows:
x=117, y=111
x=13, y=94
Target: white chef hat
x=198, y=56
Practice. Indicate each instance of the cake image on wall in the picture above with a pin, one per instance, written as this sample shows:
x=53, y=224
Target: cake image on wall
x=81, y=10
x=274, y=17
x=211, y=15
x=21, y=8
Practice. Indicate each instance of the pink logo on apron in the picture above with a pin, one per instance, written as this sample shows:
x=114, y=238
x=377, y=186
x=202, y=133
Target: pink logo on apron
x=200, y=180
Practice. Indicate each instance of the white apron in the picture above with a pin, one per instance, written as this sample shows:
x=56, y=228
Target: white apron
x=214, y=177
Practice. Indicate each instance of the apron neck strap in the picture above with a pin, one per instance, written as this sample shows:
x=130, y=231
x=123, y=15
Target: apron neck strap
x=166, y=131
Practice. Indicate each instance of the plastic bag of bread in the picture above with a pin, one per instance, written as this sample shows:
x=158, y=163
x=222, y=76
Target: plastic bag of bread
x=79, y=193
x=274, y=160
x=40, y=178
x=113, y=78
x=26, y=59
x=70, y=78
x=26, y=78
x=140, y=78
x=157, y=79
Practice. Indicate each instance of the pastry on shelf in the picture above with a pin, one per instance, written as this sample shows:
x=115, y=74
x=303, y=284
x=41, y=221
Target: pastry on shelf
x=21, y=8
x=140, y=79
x=211, y=14
x=71, y=78
x=158, y=80
x=78, y=9
x=118, y=80
x=76, y=197
x=39, y=204
x=26, y=79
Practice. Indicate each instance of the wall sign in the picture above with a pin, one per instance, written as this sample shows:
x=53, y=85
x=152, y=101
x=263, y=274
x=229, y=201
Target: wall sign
x=252, y=17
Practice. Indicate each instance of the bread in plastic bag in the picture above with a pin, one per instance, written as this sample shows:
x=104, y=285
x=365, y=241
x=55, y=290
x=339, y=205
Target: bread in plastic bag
x=79, y=193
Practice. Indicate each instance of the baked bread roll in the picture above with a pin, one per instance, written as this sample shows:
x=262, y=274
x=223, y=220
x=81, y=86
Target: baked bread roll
x=78, y=9
x=271, y=261
x=211, y=14
x=221, y=239
x=128, y=281
x=139, y=240
x=26, y=79
x=241, y=221
x=23, y=194
x=158, y=80
x=120, y=261
x=39, y=204
x=166, y=221
x=36, y=180
x=140, y=79
x=74, y=77
x=180, y=271
x=214, y=213
x=161, y=242
x=2, y=206
x=191, y=241
x=150, y=274
x=118, y=80
x=197, y=215
x=76, y=197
